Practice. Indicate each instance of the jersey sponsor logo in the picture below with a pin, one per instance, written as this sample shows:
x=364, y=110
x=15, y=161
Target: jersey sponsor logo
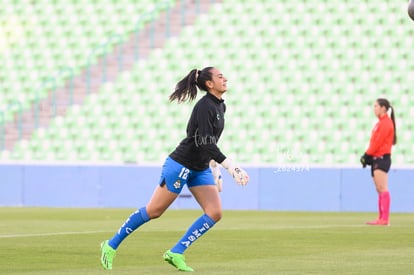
x=204, y=140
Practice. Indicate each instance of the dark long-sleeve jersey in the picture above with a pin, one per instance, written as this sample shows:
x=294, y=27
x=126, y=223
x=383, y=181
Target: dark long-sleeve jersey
x=203, y=132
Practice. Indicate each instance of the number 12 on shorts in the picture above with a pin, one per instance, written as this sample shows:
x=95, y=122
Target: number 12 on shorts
x=184, y=173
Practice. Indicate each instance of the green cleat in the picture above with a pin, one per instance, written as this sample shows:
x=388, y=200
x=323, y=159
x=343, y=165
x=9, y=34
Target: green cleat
x=177, y=260
x=108, y=255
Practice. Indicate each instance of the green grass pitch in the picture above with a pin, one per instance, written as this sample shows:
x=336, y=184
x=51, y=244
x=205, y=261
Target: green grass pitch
x=66, y=241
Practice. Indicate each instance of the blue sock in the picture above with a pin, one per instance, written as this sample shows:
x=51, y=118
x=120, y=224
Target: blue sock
x=134, y=221
x=196, y=230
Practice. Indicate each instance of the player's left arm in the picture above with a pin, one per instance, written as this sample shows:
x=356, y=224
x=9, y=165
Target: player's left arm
x=208, y=143
x=379, y=137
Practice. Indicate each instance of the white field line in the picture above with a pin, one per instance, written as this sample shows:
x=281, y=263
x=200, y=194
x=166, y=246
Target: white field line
x=51, y=234
x=294, y=227
x=229, y=228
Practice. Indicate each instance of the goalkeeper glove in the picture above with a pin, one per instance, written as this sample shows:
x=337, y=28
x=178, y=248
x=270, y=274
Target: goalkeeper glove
x=215, y=170
x=239, y=175
x=365, y=160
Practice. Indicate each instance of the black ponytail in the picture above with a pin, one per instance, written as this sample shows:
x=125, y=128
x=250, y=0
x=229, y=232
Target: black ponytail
x=385, y=103
x=186, y=88
x=395, y=127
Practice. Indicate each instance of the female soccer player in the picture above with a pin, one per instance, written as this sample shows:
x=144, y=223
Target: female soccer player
x=188, y=164
x=378, y=156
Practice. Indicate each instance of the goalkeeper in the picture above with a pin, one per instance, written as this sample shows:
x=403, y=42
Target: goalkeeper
x=194, y=162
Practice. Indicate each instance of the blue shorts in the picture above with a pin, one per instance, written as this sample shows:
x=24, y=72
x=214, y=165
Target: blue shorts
x=175, y=176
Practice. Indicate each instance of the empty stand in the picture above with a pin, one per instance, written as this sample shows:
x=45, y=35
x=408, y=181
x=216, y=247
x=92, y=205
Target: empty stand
x=302, y=81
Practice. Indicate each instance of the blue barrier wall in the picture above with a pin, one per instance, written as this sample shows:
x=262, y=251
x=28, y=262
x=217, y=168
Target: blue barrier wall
x=316, y=189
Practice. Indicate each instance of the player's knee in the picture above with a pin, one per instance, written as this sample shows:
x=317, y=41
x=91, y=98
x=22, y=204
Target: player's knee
x=155, y=213
x=215, y=215
x=382, y=189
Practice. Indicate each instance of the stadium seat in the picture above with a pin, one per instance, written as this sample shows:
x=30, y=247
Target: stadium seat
x=51, y=41
x=305, y=81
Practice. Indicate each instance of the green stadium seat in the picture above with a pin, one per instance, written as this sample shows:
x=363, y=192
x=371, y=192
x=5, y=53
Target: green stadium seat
x=47, y=37
x=302, y=81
